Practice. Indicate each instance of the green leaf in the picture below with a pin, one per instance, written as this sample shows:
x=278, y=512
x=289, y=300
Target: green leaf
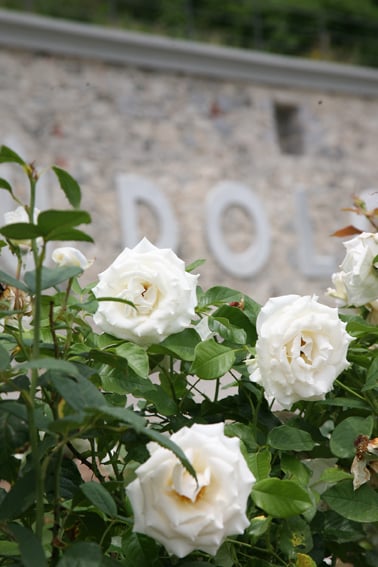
x=212, y=360
x=258, y=526
x=9, y=156
x=371, y=376
x=99, y=497
x=352, y=403
x=64, y=233
x=181, y=345
x=195, y=265
x=141, y=550
x=4, y=358
x=345, y=433
x=359, y=505
x=4, y=184
x=280, y=498
x=125, y=415
x=19, y=498
x=243, y=431
x=287, y=438
x=82, y=554
x=226, y=330
x=294, y=469
x=78, y=391
x=14, y=431
x=162, y=401
x=218, y=295
x=63, y=366
x=358, y=327
x=52, y=276
x=238, y=318
x=295, y=536
x=136, y=357
x=334, y=474
x=69, y=185
x=8, y=548
x=20, y=231
x=52, y=220
x=304, y=560
x=9, y=280
x=32, y=554
x=259, y=463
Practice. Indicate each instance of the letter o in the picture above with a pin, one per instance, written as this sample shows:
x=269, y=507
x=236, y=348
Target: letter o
x=244, y=264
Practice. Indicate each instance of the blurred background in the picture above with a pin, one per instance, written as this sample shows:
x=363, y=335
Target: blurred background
x=234, y=131
x=338, y=30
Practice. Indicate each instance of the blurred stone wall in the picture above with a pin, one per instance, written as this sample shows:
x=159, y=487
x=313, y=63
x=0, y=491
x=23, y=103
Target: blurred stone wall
x=186, y=135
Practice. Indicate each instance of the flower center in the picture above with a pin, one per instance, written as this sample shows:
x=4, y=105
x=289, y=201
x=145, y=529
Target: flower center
x=143, y=294
x=300, y=347
x=186, y=487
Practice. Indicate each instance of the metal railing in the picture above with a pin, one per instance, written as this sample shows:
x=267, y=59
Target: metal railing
x=264, y=25
x=55, y=36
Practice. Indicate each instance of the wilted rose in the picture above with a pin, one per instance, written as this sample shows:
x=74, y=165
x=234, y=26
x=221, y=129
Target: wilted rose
x=363, y=464
x=69, y=256
x=182, y=514
x=155, y=281
x=359, y=273
x=14, y=304
x=300, y=351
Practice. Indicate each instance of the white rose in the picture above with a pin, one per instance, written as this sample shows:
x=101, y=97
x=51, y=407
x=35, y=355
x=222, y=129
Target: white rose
x=300, y=351
x=173, y=509
x=20, y=215
x=339, y=292
x=359, y=275
x=69, y=256
x=156, y=282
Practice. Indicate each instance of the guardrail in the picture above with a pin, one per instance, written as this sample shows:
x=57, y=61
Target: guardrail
x=61, y=37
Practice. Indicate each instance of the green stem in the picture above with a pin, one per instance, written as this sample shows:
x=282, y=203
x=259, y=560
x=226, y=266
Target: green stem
x=57, y=507
x=34, y=434
x=216, y=391
x=347, y=389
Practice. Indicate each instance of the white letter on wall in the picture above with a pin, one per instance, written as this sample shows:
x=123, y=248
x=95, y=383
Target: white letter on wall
x=310, y=263
x=228, y=194
x=134, y=189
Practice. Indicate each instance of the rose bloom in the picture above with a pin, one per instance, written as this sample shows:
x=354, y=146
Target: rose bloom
x=69, y=256
x=171, y=507
x=20, y=215
x=358, y=274
x=155, y=281
x=339, y=292
x=300, y=351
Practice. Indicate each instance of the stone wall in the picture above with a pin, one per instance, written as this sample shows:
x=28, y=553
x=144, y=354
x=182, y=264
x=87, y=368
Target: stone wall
x=187, y=134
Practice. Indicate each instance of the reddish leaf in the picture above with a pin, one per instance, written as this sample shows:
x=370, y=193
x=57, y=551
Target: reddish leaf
x=347, y=231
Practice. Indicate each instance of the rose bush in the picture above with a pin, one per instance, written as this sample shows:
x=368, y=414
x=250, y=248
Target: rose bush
x=186, y=514
x=145, y=442
x=300, y=351
x=162, y=295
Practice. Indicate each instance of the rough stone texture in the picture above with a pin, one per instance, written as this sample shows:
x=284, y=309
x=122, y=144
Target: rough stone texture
x=186, y=134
